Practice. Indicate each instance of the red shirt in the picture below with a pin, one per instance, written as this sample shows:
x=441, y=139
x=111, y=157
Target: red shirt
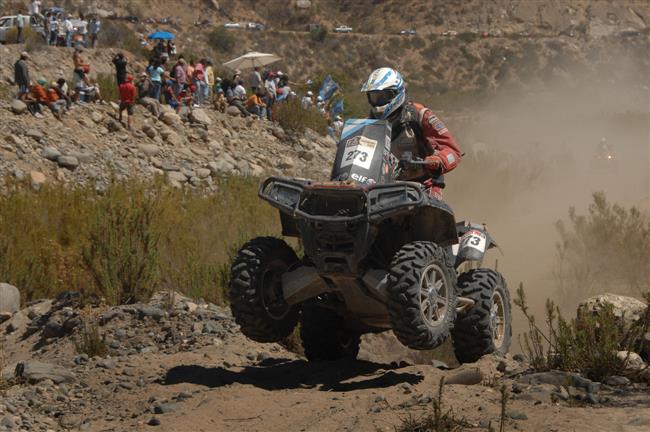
x=127, y=93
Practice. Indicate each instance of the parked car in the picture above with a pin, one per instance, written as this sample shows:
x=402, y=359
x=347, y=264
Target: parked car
x=232, y=25
x=408, y=32
x=255, y=26
x=450, y=33
x=343, y=29
x=7, y=23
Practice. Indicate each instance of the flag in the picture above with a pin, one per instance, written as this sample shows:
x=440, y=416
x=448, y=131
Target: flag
x=337, y=108
x=328, y=88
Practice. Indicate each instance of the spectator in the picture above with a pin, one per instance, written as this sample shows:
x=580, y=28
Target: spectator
x=306, y=101
x=179, y=74
x=158, y=50
x=81, y=68
x=239, y=91
x=37, y=97
x=256, y=79
x=69, y=31
x=168, y=90
x=143, y=86
x=199, y=82
x=127, y=100
x=61, y=89
x=120, y=63
x=82, y=29
x=189, y=70
x=219, y=99
x=185, y=97
x=56, y=104
x=20, y=26
x=155, y=74
x=337, y=126
x=95, y=27
x=35, y=9
x=21, y=75
x=236, y=76
x=255, y=104
x=271, y=93
x=209, y=78
x=171, y=48
x=60, y=37
x=54, y=31
x=232, y=99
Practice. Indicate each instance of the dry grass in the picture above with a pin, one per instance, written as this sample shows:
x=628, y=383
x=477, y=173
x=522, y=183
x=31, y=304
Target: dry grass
x=128, y=241
x=292, y=117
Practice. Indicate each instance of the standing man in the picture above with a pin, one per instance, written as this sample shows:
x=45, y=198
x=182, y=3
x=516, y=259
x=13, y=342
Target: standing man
x=120, y=68
x=69, y=30
x=21, y=75
x=95, y=27
x=20, y=26
x=127, y=100
x=256, y=79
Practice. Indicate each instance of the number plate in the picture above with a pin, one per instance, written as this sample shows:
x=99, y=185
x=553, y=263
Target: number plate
x=359, y=151
x=474, y=239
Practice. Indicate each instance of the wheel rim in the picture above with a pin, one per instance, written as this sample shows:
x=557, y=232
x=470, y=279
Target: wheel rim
x=433, y=295
x=498, y=319
x=272, y=298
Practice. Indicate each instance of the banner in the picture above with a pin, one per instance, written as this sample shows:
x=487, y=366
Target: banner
x=328, y=88
x=337, y=108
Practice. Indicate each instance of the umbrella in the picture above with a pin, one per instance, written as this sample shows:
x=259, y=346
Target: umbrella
x=161, y=35
x=251, y=60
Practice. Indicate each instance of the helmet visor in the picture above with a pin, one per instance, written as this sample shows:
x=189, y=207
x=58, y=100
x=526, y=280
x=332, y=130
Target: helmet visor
x=381, y=97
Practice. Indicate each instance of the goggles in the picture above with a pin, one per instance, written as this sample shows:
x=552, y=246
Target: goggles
x=381, y=97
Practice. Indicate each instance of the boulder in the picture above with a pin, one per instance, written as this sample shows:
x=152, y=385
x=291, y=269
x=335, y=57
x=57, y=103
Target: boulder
x=9, y=298
x=97, y=117
x=113, y=125
x=68, y=162
x=170, y=118
x=152, y=105
x=633, y=361
x=199, y=116
x=202, y=173
x=35, y=134
x=469, y=376
x=18, y=106
x=221, y=166
x=149, y=149
x=233, y=111
x=50, y=153
x=626, y=310
x=34, y=372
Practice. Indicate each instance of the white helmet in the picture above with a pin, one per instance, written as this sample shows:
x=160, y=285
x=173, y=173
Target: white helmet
x=309, y=93
x=319, y=98
x=386, y=91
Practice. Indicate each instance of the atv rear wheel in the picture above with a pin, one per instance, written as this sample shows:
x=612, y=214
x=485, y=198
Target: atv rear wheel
x=324, y=335
x=256, y=297
x=422, y=295
x=487, y=326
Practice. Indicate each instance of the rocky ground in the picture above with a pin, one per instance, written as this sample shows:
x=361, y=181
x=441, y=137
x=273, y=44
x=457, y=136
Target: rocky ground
x=178, y=364
x=91, y=145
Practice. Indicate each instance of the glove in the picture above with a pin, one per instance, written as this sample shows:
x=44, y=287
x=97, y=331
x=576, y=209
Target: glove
x=434, y=163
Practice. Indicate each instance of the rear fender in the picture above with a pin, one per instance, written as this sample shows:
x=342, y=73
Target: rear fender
x=473, y=242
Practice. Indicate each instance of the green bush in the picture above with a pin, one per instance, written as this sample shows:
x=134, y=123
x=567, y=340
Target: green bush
x=293, y=117
x=221, y=39
x=318, y=34
x=131, y=239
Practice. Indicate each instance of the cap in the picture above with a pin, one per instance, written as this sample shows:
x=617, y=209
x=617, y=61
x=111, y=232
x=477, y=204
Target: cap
x=129, y=78
x=280, y=73
x=24, y=55
x=309, y=93
x=143, y=74
x=41, y=81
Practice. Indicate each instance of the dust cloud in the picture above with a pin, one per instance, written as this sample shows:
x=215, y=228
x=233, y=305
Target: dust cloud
x=535, y=155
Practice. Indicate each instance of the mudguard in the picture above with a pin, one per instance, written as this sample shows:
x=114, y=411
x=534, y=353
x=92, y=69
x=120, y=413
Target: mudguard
x=473, y=242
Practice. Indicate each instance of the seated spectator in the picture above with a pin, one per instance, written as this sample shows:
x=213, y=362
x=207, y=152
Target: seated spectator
x=56, y=104
x=61, y=88
x=219, y=97
x=127, y=100
x=232, y=99
x=186, y=97
x=240, y=91
x=36, y=97
x=255, y=104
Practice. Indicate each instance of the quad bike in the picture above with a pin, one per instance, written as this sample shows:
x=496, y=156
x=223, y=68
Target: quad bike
x=379, y=254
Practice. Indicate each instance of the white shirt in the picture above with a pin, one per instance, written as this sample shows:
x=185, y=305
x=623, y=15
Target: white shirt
x=67, y=24
x=36, y=7
x=306, y=102
x=240, y=92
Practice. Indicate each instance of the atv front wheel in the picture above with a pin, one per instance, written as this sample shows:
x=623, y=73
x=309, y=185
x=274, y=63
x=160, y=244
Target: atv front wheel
x=422, y=295
x=324, y=335
x=487, y=326
x=256, y=297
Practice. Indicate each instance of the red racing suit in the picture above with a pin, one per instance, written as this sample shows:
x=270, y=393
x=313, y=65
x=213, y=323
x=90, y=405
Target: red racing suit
x=419, y=131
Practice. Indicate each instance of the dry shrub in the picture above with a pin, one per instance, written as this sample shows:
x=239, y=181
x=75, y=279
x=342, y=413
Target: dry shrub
x=587, y=344
x=117, y=34
x=108, y=86
x=221, y=39
x=128, y=241
x=606, y=250
x=292, y=117
x=91, y=342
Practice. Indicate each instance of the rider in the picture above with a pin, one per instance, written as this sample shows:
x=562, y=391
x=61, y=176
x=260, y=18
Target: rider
x=415, y=129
